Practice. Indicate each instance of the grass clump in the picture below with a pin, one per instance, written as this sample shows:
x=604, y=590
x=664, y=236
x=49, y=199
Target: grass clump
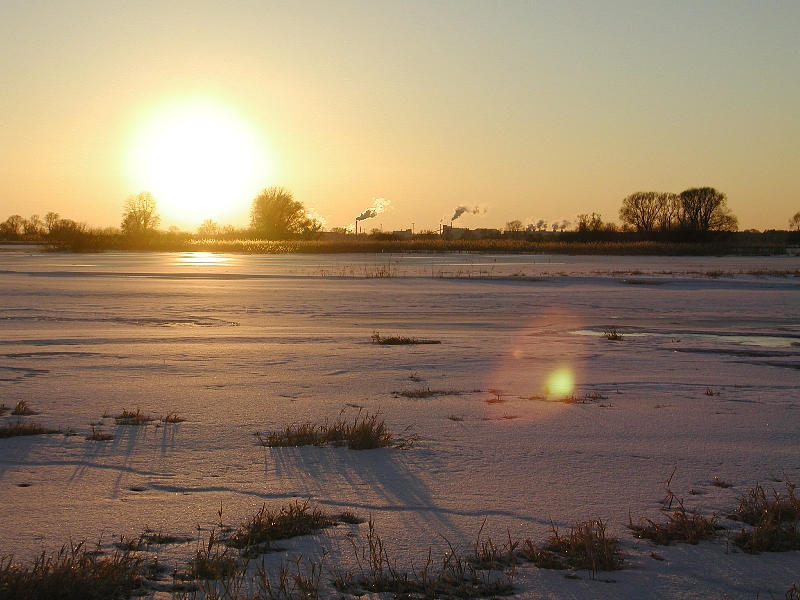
x=19, y=428
x=172, y=418
x=98, y=435
x=74, y=573
x=452, y=577
x=363, y=432
x=137, y=417
x=299, y=583
x=680, y=526
x=23, y=409
x=774, y=518
x=426, y=393
x=399, y=340
x=213, y=560
x=612, y=334
x=266, y=526
x=586, y=546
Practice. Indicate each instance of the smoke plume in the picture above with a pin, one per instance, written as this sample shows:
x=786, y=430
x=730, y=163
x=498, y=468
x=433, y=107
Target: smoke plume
x=460, y=210
x=378, y=206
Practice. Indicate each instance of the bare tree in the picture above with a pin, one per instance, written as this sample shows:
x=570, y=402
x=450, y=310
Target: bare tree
x=139, y=215
x=593, y=222
x=640, y=210
x=12, y=227
x=51, y=219
x=704, y=209
x=208, y=228
x=514, y=226
x=33, y=226
x=794, y=222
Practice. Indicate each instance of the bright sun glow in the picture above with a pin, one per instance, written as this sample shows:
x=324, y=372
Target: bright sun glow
x=560, y=383
x=200, y=161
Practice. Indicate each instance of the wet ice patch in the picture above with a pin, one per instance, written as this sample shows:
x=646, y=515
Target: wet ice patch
x=766, y=341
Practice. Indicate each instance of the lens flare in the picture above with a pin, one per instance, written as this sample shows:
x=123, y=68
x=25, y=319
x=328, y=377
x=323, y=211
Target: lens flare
x=560, y=383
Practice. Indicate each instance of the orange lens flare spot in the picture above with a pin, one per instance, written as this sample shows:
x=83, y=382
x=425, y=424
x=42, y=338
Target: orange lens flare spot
x=560, y=383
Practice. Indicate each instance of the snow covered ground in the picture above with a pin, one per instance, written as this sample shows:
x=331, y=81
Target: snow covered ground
x=705, y=382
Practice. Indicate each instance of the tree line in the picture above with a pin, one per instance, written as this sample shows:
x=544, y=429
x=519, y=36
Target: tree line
x=691, y=215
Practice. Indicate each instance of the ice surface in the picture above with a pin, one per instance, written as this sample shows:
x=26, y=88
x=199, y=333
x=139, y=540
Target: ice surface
x=239, y=344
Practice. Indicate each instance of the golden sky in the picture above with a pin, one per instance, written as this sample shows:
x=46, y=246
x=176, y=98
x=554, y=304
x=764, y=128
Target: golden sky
x=533, y=110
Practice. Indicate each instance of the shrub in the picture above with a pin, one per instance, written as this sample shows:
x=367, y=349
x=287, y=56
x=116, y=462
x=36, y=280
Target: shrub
x=612, y=334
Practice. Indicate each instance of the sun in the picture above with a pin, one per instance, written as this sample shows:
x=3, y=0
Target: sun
x=200, y=161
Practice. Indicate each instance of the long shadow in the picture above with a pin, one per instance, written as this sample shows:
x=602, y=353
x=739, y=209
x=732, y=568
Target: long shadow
x=124, y=444
x=370, y=480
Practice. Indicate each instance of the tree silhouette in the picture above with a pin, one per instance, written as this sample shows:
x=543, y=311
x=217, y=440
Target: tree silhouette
x=139, y=216
x=703, y=210
x=794, y=222
x=514, y=226
x=275, y=214
x=208, y=228
x=648, y=211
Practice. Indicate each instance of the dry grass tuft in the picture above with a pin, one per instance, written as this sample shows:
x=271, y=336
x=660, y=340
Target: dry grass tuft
x=74, y=573
x=453, y=577
x=127, y=417
x=97, y=435
x=720, y=483
x=426, y=393
x=299, y=583
x=399, y=340
x=19, y=428
x=586, y=546
x=775, y=520
x=213, y=560
x=350, y=518
x=681, y=526
x=756, y=503
x=266, y=526
x=612, y=334
x=23, y=409
x=172, y=418
x=363, y=432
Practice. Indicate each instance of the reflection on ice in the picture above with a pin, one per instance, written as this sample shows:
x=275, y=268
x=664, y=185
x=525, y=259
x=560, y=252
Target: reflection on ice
x=202, y=258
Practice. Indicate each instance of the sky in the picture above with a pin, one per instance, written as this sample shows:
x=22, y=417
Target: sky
x=530, y=110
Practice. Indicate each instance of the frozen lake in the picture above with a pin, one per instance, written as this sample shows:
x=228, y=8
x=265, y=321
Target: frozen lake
x=706, y=381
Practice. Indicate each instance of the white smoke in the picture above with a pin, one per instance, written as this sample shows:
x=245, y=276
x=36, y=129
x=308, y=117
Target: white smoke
x=475, y=210
x=378, y=206
x=312, y=214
